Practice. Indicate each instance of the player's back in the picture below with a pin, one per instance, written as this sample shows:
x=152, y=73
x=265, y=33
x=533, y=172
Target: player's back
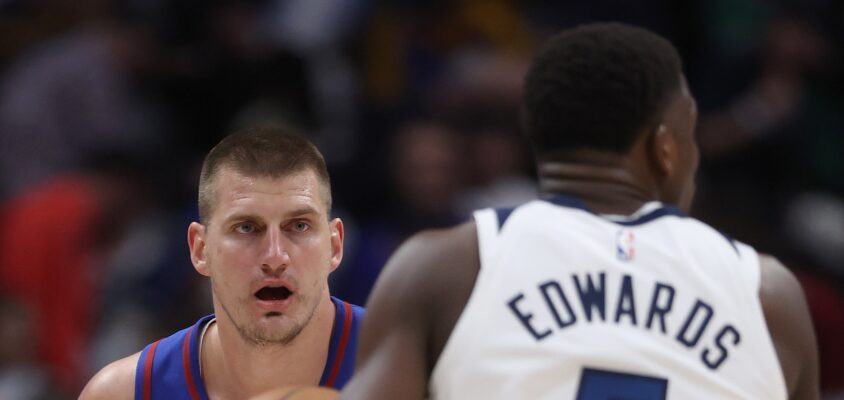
x=569, y=304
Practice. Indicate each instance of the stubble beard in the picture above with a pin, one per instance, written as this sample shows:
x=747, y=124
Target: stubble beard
x=262, y=336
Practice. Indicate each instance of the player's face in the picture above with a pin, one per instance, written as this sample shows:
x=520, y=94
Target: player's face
x=268, y=249
x=680, y=119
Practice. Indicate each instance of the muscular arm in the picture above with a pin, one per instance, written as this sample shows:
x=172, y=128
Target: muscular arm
x=411, y=312
x=115, y=381
x=791, y=329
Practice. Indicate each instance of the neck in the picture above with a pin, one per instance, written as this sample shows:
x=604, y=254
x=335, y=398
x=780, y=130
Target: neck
x=235, y=368
x=606, y=183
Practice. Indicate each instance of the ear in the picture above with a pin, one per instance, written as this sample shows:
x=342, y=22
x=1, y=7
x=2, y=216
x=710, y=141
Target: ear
x=337, y=233
x=663, y=151
x=196, y=242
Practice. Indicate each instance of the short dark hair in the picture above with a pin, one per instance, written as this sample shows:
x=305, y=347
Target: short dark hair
x=260, y=152
x=597, y=86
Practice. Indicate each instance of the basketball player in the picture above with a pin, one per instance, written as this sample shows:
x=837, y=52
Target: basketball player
x=604, y=289
x=266, y=242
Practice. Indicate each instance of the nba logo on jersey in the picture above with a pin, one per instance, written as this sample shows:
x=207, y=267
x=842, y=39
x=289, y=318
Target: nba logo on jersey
x=624, y=241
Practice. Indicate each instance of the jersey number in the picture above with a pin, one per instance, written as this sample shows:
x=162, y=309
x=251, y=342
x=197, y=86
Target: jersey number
x=596, y=384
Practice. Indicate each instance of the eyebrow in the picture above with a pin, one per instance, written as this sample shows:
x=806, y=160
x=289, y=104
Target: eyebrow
x=242, y=217
x=298, y=212
x=304, y=210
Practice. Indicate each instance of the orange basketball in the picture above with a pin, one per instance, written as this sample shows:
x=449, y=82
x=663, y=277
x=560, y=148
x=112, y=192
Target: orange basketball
x=299, y=393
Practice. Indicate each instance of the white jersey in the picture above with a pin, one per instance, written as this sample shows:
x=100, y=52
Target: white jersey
x=573, y=305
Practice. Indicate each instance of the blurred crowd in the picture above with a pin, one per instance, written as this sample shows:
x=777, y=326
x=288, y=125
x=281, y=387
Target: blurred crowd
x=107, y=106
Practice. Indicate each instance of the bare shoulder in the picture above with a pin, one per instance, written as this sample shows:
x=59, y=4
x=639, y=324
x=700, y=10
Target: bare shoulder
x=790, y=325
x=435, y=270
x=114, y=381
x=435, y=250
x=410, y=314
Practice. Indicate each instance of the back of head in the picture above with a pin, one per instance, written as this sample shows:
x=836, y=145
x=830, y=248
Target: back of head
x=261, y=152
x=597, y=86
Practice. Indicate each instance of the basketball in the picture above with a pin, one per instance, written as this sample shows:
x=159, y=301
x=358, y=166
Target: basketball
x=299, y=393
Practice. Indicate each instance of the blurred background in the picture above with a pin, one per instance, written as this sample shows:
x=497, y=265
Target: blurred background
x=107, y=107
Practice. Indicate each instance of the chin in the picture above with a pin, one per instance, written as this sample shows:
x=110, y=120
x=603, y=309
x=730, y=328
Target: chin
x=273, y=335
x=277, y=328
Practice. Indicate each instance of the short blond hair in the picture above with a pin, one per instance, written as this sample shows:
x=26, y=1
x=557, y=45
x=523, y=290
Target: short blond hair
x=260, y=152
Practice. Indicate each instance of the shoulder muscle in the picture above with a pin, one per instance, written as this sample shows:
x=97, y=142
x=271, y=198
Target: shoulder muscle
x=411, y=312
x=790, y=325
x=114, y=381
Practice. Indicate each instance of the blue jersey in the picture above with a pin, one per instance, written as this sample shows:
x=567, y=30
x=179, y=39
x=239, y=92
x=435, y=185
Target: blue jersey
x=169, y=368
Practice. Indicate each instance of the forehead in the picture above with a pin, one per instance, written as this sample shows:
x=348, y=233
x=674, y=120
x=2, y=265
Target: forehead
x=235, y=192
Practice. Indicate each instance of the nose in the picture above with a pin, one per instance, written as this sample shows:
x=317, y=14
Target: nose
x=275, y=256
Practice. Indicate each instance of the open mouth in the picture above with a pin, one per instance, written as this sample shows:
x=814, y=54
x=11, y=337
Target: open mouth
x=270, y=293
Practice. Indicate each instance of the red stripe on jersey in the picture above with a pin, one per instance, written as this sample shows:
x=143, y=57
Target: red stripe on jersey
x=147, y=389
x=194, y=394
x=341, y=348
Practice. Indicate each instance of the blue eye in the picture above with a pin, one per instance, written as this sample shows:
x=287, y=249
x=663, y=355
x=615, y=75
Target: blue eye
x=301, y=227
x=244, y=227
